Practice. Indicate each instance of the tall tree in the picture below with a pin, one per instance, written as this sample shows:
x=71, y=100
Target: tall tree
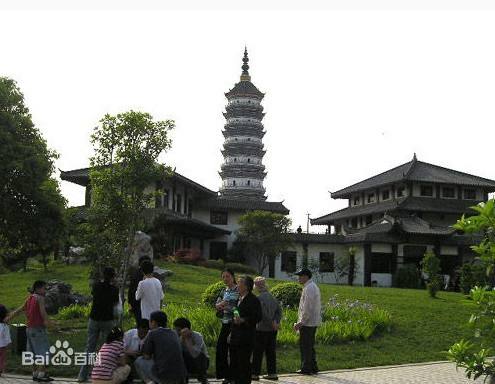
x=265, y=235
x=31, y=205
x=123, y=169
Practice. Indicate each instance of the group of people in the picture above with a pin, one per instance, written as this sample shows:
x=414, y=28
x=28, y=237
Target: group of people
x=250, y=324
x=160, y=354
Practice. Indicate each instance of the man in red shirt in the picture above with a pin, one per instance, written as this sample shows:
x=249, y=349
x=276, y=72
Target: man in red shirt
x=37, y=321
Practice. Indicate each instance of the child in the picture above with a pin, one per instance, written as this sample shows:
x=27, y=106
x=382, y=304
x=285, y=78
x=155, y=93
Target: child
x=4, y=338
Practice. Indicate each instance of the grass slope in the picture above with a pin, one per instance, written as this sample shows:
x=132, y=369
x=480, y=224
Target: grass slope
x=423, y=327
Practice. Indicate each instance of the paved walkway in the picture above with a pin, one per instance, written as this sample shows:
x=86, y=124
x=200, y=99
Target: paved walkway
x=429, y=373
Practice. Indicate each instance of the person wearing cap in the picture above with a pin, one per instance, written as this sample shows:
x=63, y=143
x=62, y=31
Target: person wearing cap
x=266, y=332
x=309, y=318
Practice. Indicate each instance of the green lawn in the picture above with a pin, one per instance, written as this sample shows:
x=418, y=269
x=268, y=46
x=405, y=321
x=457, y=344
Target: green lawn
x=423, y=328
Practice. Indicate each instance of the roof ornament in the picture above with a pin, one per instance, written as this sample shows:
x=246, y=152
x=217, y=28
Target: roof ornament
x=245, y=67
x=414, y=157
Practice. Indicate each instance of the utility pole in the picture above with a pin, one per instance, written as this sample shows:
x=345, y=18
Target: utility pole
x=307, y=223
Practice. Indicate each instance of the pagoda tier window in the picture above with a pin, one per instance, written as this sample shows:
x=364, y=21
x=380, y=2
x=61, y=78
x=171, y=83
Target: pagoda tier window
x=385, y=195
x=369, y=219
x=469, y=194
x=356, y=200
x=401, y=191
x=371, y=198
x=426, y=191
x=249, y=182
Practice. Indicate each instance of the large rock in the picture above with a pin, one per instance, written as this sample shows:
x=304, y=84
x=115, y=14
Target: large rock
x=162, y=274
x=142, y=247
x=75, y=256
x=58, y=295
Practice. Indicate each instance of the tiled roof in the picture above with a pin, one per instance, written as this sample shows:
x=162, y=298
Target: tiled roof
x=247, y=204
x=360, y=210
x=81, y=177
x=409, y=204
x=244, y=88
x=390, y=228
x=321, y=238
x=416, y=170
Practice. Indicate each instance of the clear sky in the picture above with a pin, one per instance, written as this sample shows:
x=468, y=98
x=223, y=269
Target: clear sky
x=349, y=92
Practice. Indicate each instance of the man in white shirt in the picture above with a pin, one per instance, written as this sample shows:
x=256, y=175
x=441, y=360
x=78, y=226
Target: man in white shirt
x=149, y=291
x=309, y=318
x=133, y=345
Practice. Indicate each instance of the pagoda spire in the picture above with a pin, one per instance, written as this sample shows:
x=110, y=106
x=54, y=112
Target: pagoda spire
x=245, y=67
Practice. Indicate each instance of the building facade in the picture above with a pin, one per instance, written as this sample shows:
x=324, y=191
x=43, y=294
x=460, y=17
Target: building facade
x=200, y=219
x=390, y=221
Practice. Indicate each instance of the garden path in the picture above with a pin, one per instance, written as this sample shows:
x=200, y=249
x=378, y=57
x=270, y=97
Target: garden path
x=427, y=373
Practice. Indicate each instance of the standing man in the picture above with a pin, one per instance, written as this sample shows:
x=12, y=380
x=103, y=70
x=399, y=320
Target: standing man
x=105, y=297
x=266, y=332
x=309, y=318
x=149, y=291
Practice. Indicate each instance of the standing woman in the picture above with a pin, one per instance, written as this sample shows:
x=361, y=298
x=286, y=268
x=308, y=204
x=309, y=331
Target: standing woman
x=226, y=302
x=243, y=334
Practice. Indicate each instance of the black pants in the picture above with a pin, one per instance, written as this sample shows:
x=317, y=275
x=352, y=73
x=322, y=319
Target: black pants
x=196, y=366
x=222, y=354
x=307, y=347
x=240, y=362
x=266, y=343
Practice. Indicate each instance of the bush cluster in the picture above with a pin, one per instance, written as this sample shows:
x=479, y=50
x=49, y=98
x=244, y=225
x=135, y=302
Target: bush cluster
x=472, y=275
x=408, y=276
x=211, y=293
x=288, y=294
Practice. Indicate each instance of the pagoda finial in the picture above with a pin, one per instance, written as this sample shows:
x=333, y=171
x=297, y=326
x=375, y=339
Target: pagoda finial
x=415, y=157
x=245, y=67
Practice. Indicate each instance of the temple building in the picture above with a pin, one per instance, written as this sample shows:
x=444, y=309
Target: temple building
x=391, y=220
x=196, y=217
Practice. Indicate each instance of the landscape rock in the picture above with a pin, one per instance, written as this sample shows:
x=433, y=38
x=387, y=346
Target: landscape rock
x=142, y=247
x=58, y=295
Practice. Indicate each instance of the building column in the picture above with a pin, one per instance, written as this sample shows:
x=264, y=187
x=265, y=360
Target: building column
x=367, y=265
x=395, y=255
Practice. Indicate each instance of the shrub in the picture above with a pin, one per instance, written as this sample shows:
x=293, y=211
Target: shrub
x=431, y=267
x=214, y=264
x=211, y=293
x=241, y=268
x=288, y=294
x=408, y=276
x=472, y=275
x=202, y=318
x=74, y=311
x=343, y=321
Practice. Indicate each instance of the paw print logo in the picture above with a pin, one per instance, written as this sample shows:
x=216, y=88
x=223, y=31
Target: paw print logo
x=61, y=353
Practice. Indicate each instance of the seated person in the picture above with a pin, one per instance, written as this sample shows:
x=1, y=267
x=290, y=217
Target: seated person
x=162, y=360
x=110, y=366
x=133, y=344
x=193, y=349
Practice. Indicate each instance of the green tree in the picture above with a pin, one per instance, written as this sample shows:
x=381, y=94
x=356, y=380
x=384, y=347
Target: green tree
x=473, y=355
x=430, y=265
x=31, y=205
x=123, y=168
x=265, y=235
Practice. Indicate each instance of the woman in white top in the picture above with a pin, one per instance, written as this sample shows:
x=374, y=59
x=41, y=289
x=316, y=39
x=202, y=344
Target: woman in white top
x=149, y=291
